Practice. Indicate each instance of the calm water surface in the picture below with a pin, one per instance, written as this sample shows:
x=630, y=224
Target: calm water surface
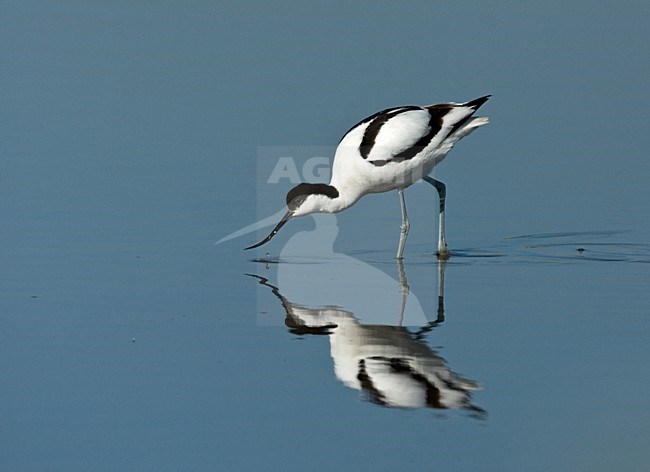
x=134, y=136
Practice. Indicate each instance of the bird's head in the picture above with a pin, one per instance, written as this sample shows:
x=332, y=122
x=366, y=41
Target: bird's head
x=302, y=200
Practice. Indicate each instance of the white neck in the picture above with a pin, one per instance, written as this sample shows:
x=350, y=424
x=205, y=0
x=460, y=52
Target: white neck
x=345, y=200
x=321, y=203
x=348, y=196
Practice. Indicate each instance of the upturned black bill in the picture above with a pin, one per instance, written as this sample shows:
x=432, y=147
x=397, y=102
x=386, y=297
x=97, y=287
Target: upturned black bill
x=282, y=222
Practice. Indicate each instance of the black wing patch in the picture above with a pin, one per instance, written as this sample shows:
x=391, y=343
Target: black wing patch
x=370, y=118
x=436, y=114
x=370, y=135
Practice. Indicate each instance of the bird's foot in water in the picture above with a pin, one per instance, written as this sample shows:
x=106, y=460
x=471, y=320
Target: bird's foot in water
x=443, y=253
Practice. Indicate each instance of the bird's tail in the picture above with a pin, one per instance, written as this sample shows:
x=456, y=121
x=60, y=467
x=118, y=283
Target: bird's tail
x=467, y=128
x=463, y=123
x=472, y=125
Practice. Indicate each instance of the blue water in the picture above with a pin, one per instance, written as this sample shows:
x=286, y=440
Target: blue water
x=134, y=136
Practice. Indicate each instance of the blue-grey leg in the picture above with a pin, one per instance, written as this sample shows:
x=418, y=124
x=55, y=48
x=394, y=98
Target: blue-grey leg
x=440, y=315
x=441, y=291
x=404, y=289
x=405, y=226
x=442, y=253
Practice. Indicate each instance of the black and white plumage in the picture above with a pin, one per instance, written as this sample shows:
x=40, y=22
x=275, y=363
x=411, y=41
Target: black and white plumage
x=389, y=150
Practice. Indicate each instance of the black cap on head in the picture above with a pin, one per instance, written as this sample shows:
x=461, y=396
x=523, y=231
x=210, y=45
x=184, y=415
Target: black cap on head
x=300, y=192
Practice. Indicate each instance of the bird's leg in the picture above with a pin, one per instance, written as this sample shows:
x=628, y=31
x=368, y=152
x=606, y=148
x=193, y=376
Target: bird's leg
x=403, y=283
x=404, y=228
x=440, y=318
x=442, y=253
x=404, y=288
x=441, y=291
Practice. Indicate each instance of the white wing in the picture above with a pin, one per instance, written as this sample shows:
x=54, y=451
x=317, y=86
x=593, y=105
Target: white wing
x=402, y=133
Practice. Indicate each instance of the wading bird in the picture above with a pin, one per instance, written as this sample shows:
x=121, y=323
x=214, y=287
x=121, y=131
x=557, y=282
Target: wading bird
x=389, y=150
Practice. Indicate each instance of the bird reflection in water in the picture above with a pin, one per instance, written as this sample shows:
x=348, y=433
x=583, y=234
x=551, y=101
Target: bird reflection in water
x=392, y=365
